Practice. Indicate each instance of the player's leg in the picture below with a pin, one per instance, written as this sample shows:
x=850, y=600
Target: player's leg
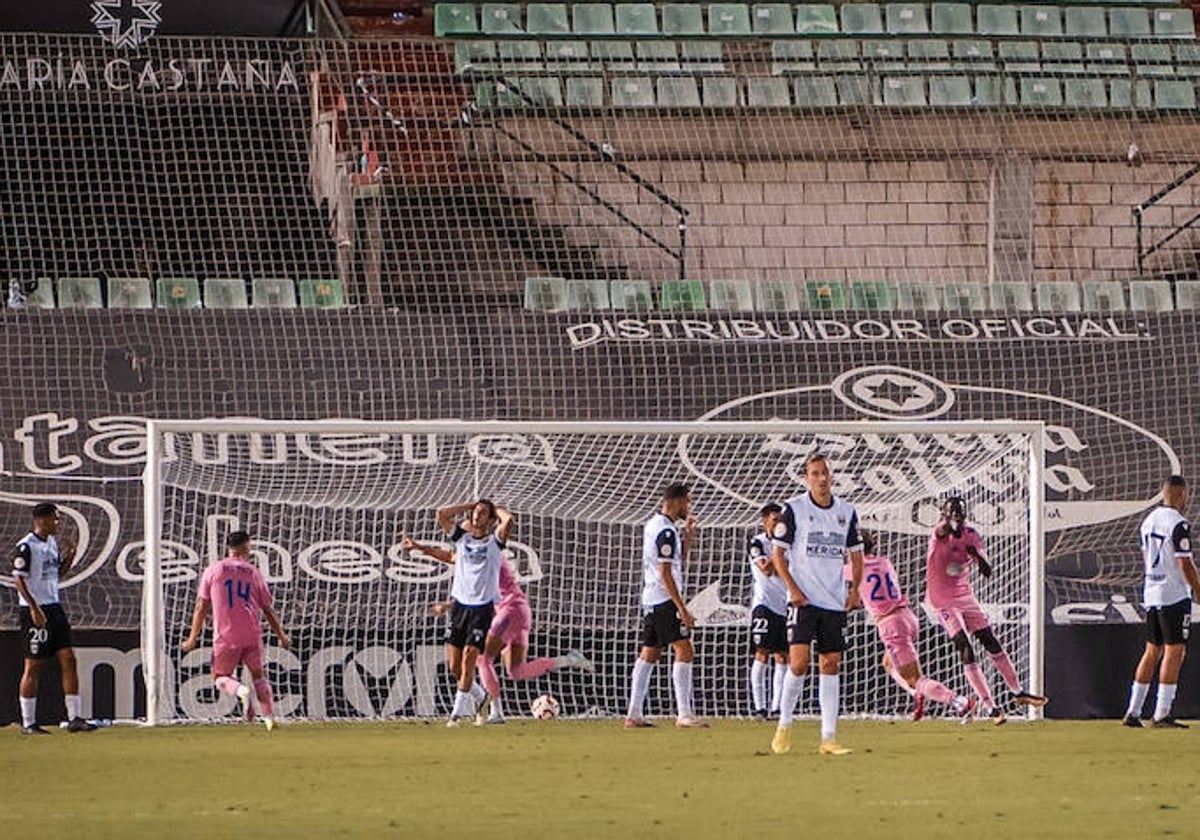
x=253, y=659
x=977, y=623
x=33, y=638
x=1175, y=620
x=759, y=671
x=801, y=629
x=781, y=672
x=639, y=678
x=487, y=661
x=831, y=641
x=683, y=679
x=69, y=669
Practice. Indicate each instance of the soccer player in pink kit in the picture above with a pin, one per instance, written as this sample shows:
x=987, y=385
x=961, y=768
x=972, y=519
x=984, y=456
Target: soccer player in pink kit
x=235, y=592
x=898, y=628
x=953, y=547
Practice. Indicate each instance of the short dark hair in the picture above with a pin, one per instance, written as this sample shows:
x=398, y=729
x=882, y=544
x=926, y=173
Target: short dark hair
x=44, y=509
x=1176, y=481
x=676, y=490
x=768, y=509
x=813, y=457
x=491, y=506
x=237, y=539
x=868, y=541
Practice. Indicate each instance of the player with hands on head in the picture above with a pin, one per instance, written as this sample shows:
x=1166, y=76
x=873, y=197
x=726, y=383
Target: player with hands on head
x=234, y=590
x=954, y=547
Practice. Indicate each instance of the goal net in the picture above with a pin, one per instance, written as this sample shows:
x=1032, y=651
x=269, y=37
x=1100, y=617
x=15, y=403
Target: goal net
x=327, y=503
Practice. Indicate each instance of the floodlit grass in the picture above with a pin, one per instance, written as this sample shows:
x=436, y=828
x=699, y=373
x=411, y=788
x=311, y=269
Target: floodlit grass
x=578, y=779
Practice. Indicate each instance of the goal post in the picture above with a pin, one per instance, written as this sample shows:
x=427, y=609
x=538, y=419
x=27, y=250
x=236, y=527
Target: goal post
x=327, y=502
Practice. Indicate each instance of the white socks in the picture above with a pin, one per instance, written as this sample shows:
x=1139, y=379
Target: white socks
x=74, y=706
x=681, y=675
x=1164, y=701
x=464, y=706
x=758, y=685
x=829, y=694
x=793, y=687
x=1137, y=698
x=639, y=684
x=781, y=672
x=28, y=711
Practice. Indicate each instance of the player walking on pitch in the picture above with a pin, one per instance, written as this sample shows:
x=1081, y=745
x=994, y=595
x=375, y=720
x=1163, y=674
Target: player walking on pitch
x=812, y=539
x=953, y=547
x=234, y=590
x=1170, y=585
x=38, y=565
x=666, y=619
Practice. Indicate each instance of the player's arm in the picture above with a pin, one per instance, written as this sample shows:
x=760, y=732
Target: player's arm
x=442, y=607
x=199, y=616
x=668, y=581
x=689, y=536
x=785, y=533
x=974, y=552
x=441, y=554
x=1182, y=538
x=447, y=517
x=285, y=641
x=66, y=556
x=854, y=546
x=506, y=523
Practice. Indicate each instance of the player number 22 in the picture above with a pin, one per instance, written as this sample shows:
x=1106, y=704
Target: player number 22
x=878, y=582
x=242, y=591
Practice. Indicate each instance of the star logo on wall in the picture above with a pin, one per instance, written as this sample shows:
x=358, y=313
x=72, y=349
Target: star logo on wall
x=893, y=391
x=126, y=24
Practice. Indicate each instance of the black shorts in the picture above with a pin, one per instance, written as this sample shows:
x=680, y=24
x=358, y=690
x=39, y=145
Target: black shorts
x=662, y=626
x=469, y=625
x=768, y=631
x=44, y=642
x=808, y=623
x=1169, y=625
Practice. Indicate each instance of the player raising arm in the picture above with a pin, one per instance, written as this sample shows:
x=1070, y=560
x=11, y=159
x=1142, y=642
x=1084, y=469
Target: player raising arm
x=234, y=590
x=953, y=547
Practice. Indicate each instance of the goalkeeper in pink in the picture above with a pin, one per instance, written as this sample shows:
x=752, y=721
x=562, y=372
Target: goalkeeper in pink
x=234, y=590
x=953, y=547
x=898, y=628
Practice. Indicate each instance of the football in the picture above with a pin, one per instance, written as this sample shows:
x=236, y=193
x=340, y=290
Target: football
x=544, y=707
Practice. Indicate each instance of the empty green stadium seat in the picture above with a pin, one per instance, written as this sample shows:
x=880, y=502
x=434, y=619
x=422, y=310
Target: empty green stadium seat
x=1174, y=94
x=721, y=92
x=861, y=19
x=1120, y=91
x=1187, y=295
x=907, y=18
x=1103, y=296
x=952, y=19
x=632, y=92
x=76, y=293
x=730, y=295
x=792, y=57
x=631, y=295
x=585, y=92
x=500, y=18
x=1174, y=23
x=776, y=296
x=225, y=293
x=129, y=293
x=272, y=293
x=547, y=18
x=1187, y=59
x=520, y=55
x=588, y=295
x=682, y=19
x=815, y=92
x=972, y=54
x=728, y=19
x=637, y=18
x=1128, y=22
x=1107, y=59
x=872, y=296
x=678, y=93
x=1150, y=296
x=1011, y=296
x=1041, y=92
x=1057, y=296
x=540, y=91
x=904, y=91
x=545, y=294
x=964, y=297
x=918, y=297
x=592, y=19
x=839, y=54
x=816, y=19
x=948, y=91
x=1041, y=21
x=1152, y=59
x=612, y=55
x=859, y=90
x=996, y=20
x=177, y=293
x=884, y=53
x=474, y=55
x=825, y=295
x=991, y=91
x=699, y=56
x=322, y=294
x=1084, y=22
x=1062, y=57
x=454, y=19
x=928, y=54
x=567, y=56
x=1085, y=93
x=683, y=295
x=657, y=56
x=772, y=19
x=1019, y=56
x=768, y=93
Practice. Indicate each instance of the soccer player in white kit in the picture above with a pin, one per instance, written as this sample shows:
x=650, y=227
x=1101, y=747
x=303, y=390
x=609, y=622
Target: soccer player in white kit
x=1170, y=585
x=768, y=620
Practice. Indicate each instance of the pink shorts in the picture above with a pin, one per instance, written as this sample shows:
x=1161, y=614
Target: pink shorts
x=512, y=625
x=227, y=657
x=962, y=615
x=898, y=631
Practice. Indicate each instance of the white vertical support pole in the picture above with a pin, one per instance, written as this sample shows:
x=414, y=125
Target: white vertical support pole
x=1037, y=566
x=153, y=645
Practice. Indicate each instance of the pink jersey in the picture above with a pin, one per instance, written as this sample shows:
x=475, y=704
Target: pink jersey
x=948, y=566
x=238, y=593
x=511, y=595
x=880, y=590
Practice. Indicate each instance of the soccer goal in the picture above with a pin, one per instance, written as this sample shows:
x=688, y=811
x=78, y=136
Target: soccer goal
x=327, y=503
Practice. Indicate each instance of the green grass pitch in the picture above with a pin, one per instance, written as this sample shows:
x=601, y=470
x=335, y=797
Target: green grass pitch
x=578, y=779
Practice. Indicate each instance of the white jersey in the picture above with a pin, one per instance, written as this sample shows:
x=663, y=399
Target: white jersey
x=769, y=590
x=476, y=568
x=37, y=561
x=661, y=543
x=1165, y=539
x=816, y=540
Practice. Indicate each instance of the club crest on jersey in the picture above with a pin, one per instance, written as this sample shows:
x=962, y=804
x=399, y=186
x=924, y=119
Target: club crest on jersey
x=666, y=550
x=841, y=521
x=19, y=563
x=1185, y=544
x=756, y=550
x=780, y=530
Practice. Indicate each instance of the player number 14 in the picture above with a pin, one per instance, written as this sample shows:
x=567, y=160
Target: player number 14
x=242, y=591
